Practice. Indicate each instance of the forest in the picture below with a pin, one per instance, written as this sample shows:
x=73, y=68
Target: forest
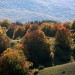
x=27, y=48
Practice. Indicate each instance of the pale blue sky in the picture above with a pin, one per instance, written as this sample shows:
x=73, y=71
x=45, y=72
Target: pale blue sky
x=28, y=10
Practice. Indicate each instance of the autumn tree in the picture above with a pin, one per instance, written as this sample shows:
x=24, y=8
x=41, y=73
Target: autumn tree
x=4, y=42
x=67, y=25
x=73, y=26
x=5, y=23
x=11, y=29
x=13, y=62
x=62, y=46
x=27, y=26
x=38, y=48
x=19, y=32
x=33, y=27
x=48, y=28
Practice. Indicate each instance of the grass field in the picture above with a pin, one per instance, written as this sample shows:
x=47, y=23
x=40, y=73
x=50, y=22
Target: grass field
x=65, y=69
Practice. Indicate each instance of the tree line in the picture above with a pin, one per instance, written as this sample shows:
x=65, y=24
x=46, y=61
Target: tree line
x=35, y=50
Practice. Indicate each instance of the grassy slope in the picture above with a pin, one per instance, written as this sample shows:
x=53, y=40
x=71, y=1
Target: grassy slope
x=66, y=69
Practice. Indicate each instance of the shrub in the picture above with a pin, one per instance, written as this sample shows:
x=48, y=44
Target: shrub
x=38, y=48
x=14, y=62
x=4, y=42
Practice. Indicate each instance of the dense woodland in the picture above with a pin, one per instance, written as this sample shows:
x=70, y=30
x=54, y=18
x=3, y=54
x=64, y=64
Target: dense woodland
x=35, y=45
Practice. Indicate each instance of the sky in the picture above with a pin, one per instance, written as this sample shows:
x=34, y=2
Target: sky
x=31, y=10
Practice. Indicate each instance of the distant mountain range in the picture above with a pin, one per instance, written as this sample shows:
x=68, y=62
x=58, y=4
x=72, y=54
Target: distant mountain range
x=30, y=10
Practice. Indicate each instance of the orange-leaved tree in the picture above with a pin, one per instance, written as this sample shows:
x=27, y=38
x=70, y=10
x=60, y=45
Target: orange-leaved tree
x=48, y=28
x=19, y=32
x=62, y=46
x=38, y=48
x=14, y=62
x=4, y=42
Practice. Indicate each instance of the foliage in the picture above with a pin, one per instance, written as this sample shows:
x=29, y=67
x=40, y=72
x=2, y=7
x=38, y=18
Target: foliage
x=5, y=23
x=4, y=42
x=38, y=48
x=49, y=21
x=27, y=26
x=11, y=29
x=73, y=25
x=19, y=32
x=13, y=62
x=2, y=30
x=19, y=23
x=10, y=33
x=49, y=29
x=73, y=51
x=67, y=25
x=62, y=46
x=33, y=27
x=19, y=46
x=63, y=37
x=43, y=21
x=72, y=35
x=46, y=28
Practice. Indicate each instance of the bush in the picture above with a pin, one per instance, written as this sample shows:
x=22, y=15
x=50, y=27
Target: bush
x=4, y=42
x=13, y=62
x=38, y=48
x=62, y=46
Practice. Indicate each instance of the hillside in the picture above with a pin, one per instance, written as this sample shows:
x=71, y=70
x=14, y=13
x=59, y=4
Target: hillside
x=66, y=69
